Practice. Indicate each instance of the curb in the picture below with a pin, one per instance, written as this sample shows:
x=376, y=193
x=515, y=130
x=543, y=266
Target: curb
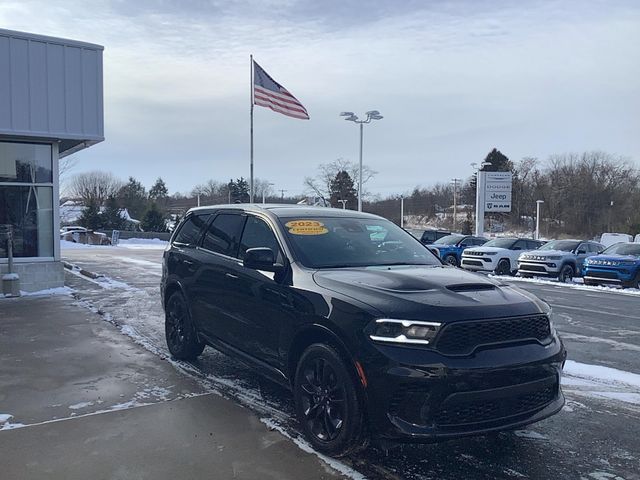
x=81, y=271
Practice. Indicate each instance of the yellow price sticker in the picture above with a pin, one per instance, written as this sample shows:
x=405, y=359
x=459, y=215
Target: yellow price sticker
x=306, y=227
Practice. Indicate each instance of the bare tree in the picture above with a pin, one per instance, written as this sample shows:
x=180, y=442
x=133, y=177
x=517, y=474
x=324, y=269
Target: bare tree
x=94, y=187
x=320, y=185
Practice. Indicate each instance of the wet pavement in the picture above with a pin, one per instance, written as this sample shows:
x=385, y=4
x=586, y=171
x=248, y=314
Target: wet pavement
x=594, y=437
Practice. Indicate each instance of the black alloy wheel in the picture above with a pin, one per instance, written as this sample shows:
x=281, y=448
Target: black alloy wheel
x=503, y=267
x=451, y=260
x=327, y=403
x=180, y=334
x=566, y=274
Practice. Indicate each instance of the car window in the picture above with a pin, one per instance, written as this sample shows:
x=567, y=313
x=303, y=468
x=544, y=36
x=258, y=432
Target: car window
x=479, y=241
x=429, y=237
x=520, y=245
x=258, y=234
x=191, y=230
x=596, y=248
x=532, y=245
x=582, y=248
x=223, y=235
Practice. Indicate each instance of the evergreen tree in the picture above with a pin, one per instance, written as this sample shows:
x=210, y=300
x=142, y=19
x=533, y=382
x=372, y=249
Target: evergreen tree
x=111, y=217
x=239, y=190
x=158, y=190
x=153, y=220
x=90, y=217
x=499, y=162
x=342, y=188
x=133, y=196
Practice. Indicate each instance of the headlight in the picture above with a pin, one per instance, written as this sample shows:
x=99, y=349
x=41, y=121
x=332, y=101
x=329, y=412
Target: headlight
x=404, y=331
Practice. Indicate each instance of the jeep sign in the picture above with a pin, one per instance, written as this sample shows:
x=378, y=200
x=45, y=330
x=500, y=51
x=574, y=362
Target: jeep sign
x=497, y=192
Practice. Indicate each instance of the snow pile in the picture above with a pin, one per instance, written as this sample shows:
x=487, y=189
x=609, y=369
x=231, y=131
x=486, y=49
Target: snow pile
x=49, y=291
x=67, y=245
x=143, y=243
x=577, y=285
x=596, y=381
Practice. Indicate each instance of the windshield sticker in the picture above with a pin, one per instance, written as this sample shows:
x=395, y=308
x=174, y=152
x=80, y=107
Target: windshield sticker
x=306, y=227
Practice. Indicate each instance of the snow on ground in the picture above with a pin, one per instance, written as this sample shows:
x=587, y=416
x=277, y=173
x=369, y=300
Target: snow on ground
x=596, y=381
x=46, y=292
x=143, y=243
x=576, y=284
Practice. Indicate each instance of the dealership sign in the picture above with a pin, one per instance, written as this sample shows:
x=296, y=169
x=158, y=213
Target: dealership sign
x=497, y=191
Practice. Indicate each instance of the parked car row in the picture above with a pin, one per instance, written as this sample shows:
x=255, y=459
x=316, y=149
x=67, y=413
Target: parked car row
x=619, y=264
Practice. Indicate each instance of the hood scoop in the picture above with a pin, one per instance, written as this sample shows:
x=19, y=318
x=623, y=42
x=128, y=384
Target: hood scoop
x=470, y=287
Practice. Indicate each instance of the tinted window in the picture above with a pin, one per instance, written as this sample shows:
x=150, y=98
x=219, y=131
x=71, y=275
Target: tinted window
x=520, y=245
x=448, y=240
x=191, y=230
x=479, y=241
x=624, y=249
x=500, y=243
x=223, y=235
x=258, y=234
x=562, y=245
x=531, y=245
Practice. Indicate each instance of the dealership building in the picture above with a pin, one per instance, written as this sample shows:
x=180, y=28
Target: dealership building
x=51, y=105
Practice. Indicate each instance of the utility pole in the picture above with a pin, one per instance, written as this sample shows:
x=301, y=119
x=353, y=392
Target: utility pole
x=538, y=203
x=455, y=201
x=401, y=211
x=282, y=190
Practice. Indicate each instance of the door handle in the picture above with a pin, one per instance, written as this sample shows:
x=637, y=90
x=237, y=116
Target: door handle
x=231, y=275
x=187, y=262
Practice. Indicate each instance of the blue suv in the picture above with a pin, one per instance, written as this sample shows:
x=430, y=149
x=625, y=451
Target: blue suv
x=450, y=248
x=619, y=264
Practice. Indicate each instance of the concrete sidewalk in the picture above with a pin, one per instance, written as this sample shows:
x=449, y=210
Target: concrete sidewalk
x=86, y=402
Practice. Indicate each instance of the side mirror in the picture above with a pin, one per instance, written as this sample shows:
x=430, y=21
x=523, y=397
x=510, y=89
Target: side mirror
x=261, y=258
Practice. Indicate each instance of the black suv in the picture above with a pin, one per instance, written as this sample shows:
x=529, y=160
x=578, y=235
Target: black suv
x=371, y=332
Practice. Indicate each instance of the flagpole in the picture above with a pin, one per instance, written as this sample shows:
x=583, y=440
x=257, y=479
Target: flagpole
x=251, y=164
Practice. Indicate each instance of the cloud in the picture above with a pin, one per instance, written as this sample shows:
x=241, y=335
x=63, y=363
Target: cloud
x=453, y=79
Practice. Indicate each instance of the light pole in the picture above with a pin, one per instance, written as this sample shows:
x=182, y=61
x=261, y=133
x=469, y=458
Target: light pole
x=455, y=182
x=538, y=203
x=264, y=191
x=401, y=211
x=350, y=116
x=480, y=197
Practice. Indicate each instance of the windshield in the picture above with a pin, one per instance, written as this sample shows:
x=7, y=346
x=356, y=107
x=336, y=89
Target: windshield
x=448, y=240
x=562, y=245
x=624, y=249
x=501, y=243
x=325, y=242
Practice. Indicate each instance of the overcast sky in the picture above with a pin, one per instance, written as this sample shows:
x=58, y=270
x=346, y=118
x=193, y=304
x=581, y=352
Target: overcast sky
x=452, y=79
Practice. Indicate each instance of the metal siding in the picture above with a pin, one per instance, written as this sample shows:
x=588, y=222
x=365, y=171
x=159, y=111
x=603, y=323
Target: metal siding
x=50, y=88
x=19, y=84
x=38, y=87
x=55, y=88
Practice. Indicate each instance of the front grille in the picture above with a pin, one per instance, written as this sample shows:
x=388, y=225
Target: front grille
x=533, y=268
x=598, y=274
x=462, y=338
x=485, y=411
x=476, y=263
x=472, y=253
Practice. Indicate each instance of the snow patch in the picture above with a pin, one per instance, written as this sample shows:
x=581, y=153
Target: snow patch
x=143, y=243
x=601, y=374
x=10, y=276
x=530, y=434
x=67, y=245
x=49, y=291
x=577, y=285
x=4, y=417
x=305, y=447
x=78, y=406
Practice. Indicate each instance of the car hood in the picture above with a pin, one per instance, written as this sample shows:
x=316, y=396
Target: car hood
x=617, y=258
x=548, y=253
x=486, y=249
x=442, y=294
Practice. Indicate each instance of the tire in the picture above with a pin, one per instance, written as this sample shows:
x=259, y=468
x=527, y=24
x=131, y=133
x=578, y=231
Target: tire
x=566, y=274
x=634, y=283
x=327, y=404
x=451, y=260
x=179, y=330
x=503, y=267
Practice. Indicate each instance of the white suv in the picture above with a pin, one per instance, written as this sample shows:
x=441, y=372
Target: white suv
x=499, y=256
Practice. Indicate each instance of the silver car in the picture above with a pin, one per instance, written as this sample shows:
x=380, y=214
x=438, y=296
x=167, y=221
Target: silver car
x=562, y=259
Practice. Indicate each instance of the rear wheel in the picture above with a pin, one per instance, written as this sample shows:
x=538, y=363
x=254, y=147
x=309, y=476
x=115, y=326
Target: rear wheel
x=634, y=283
x=327, y=404
x=179, y=330
x=503, y=267
x=451, y=260
x=566, y=274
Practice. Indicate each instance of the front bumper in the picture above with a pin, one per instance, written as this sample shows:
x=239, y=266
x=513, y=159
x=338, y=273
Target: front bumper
x=609, y=275
x=478, y=263
x=440, y=397
x=541, y=268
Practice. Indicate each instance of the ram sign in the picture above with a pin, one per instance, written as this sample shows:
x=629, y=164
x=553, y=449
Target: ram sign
x=497, y=192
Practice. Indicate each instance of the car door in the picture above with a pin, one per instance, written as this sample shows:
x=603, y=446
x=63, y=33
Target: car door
x=581, y=253
x=216, y=298
x=266, y=304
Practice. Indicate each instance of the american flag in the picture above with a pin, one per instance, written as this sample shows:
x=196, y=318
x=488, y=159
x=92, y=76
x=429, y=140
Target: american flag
x=269, y=93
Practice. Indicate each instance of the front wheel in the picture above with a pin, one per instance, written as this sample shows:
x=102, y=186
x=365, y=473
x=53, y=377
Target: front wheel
x=566, y=274
x=503, y=267
x=634, y=283
x=327, y=404
x=451, y=260
x=179, y=330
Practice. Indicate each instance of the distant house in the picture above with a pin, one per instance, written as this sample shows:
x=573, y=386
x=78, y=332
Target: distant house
x=71, y=211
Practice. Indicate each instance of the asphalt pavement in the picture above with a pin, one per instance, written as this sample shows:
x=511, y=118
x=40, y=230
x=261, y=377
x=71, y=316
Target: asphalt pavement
x=594, y=437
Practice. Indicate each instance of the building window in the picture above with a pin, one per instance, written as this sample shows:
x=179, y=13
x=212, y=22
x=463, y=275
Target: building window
x=26, y=198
